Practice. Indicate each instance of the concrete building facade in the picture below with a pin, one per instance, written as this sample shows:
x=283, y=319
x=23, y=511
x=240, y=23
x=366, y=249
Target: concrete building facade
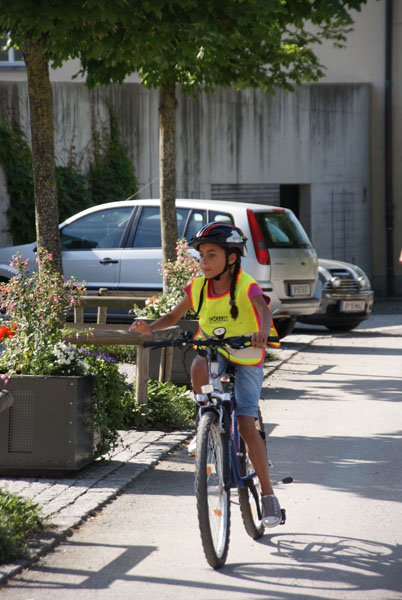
x=319, y=150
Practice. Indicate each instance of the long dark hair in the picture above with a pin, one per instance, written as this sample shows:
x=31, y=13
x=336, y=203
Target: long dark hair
x=234, y=311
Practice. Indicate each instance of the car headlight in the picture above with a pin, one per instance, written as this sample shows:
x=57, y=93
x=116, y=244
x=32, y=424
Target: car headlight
x=335, y=282
x=362, y=278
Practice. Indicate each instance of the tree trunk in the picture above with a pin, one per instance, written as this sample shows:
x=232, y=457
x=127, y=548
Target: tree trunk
x=167, y=173
x=41, y=110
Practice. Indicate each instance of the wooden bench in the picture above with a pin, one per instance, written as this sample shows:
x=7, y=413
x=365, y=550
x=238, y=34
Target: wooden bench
x=103, y=334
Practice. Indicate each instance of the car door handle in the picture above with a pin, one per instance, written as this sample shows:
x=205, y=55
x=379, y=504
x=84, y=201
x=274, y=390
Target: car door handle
x=108, y=261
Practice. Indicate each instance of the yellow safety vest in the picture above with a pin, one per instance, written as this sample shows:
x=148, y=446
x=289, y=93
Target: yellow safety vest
x=215, y=312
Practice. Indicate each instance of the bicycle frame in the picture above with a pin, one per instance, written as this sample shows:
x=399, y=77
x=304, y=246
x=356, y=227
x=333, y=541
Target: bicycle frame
x=223, y=402
x=222, y=462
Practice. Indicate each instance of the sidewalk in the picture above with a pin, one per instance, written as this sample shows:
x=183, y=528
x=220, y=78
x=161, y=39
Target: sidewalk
x=68, y=502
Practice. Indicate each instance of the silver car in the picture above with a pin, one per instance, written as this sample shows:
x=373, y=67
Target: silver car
x=346, y=297
x=118, y=246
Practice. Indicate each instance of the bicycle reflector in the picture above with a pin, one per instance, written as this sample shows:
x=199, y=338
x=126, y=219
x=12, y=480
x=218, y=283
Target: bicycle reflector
x=207, y=389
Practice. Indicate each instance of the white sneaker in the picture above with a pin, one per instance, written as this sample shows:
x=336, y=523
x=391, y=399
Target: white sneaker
x=191, y=448
x=271, y=511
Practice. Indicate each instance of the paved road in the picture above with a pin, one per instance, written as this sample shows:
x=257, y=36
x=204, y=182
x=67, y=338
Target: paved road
x=333, y=412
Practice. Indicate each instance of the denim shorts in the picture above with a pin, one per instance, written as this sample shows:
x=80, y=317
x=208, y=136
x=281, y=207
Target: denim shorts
x=247, y=386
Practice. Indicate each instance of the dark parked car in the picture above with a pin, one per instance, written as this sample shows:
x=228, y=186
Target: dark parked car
x=346, y=296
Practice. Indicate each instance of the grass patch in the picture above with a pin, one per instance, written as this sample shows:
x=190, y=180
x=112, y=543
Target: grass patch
x=20, y=519
x=169, y=408
x=271, y=355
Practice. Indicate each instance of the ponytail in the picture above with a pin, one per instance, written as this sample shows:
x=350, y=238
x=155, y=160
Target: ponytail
x=234, y=311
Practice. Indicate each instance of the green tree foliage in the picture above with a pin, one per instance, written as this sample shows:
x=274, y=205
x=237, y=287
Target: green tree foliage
x=201, y=44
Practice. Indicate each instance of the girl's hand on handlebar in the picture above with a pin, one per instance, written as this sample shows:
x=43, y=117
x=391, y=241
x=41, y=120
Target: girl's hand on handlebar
x=140, y=327
x=259, y=339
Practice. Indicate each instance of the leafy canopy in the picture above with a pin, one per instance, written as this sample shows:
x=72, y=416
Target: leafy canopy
x=196, y=43
x=203, y=43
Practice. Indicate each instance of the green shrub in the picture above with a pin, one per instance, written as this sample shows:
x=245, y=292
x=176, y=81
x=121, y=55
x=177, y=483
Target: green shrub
x=169, y=407
x=16, y=159
x=19, y=520
x=72, y=192
x=111, y=175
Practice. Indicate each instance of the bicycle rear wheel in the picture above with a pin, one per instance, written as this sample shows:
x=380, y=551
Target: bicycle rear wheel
x=213, y=500
x=250, y=494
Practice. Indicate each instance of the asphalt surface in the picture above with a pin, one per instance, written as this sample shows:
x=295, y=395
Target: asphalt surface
x=69, y=502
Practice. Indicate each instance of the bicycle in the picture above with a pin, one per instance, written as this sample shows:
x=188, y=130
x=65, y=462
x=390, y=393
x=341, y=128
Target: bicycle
x=222, y=461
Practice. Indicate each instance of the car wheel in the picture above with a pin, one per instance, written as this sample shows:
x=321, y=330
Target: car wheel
x=343, y=326
x=284, y=326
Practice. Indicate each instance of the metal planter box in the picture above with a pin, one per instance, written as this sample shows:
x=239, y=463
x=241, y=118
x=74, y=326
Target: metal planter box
x=179, y=375
x=47, y=429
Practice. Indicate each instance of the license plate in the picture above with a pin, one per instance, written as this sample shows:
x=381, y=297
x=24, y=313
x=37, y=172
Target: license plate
x=299, y=289
x=352, y=306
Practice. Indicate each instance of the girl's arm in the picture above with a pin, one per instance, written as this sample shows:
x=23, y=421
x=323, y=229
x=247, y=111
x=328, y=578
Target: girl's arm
x=260, y=337
x=168, y=320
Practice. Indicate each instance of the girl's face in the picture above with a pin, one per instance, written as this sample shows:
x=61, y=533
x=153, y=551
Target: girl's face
x=213, y=259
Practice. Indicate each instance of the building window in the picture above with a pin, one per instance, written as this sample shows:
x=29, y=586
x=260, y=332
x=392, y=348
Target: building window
x=10, y=56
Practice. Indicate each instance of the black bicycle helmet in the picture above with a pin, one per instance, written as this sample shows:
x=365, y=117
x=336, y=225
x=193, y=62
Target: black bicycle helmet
x=224, y=234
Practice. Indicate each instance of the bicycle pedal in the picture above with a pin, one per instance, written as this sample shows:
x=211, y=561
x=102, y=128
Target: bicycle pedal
x=283, y=520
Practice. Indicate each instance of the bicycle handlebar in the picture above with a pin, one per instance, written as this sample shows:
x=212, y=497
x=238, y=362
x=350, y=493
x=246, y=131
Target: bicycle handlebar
x=237, y=342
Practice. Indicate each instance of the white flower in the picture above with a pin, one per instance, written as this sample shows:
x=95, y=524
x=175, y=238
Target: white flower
x=64, y=353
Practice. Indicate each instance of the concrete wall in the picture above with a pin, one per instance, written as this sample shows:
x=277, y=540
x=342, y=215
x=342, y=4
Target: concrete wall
x=363, y=60
x=316, y=137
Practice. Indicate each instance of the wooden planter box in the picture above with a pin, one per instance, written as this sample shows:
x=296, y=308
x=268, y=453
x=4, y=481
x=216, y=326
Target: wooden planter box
x=179, y=375
x=46, y=431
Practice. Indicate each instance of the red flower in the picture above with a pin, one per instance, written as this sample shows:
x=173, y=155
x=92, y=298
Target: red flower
x=7, y=332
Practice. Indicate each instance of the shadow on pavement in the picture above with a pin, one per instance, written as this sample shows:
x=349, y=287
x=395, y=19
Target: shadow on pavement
x=317, y=561
x=320, y=563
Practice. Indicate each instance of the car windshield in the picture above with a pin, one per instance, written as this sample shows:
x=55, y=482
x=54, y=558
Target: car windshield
x=282, y=230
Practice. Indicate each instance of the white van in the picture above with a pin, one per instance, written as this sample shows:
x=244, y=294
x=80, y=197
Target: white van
x=118, y=246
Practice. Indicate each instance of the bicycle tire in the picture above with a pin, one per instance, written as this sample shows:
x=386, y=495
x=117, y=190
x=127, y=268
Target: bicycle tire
x=247, y=501
x=213, y=495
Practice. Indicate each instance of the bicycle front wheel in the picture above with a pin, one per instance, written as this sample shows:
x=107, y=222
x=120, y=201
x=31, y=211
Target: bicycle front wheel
x=213, y=499
x=250, y=494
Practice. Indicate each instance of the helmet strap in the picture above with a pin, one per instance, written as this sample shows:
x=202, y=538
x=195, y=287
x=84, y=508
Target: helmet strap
x=227, y=265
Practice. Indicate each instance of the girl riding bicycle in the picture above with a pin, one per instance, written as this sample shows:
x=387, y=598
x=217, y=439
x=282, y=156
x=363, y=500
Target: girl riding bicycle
x=227, y=298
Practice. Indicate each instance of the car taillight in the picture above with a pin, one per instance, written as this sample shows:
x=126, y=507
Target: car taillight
x=261, y=250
